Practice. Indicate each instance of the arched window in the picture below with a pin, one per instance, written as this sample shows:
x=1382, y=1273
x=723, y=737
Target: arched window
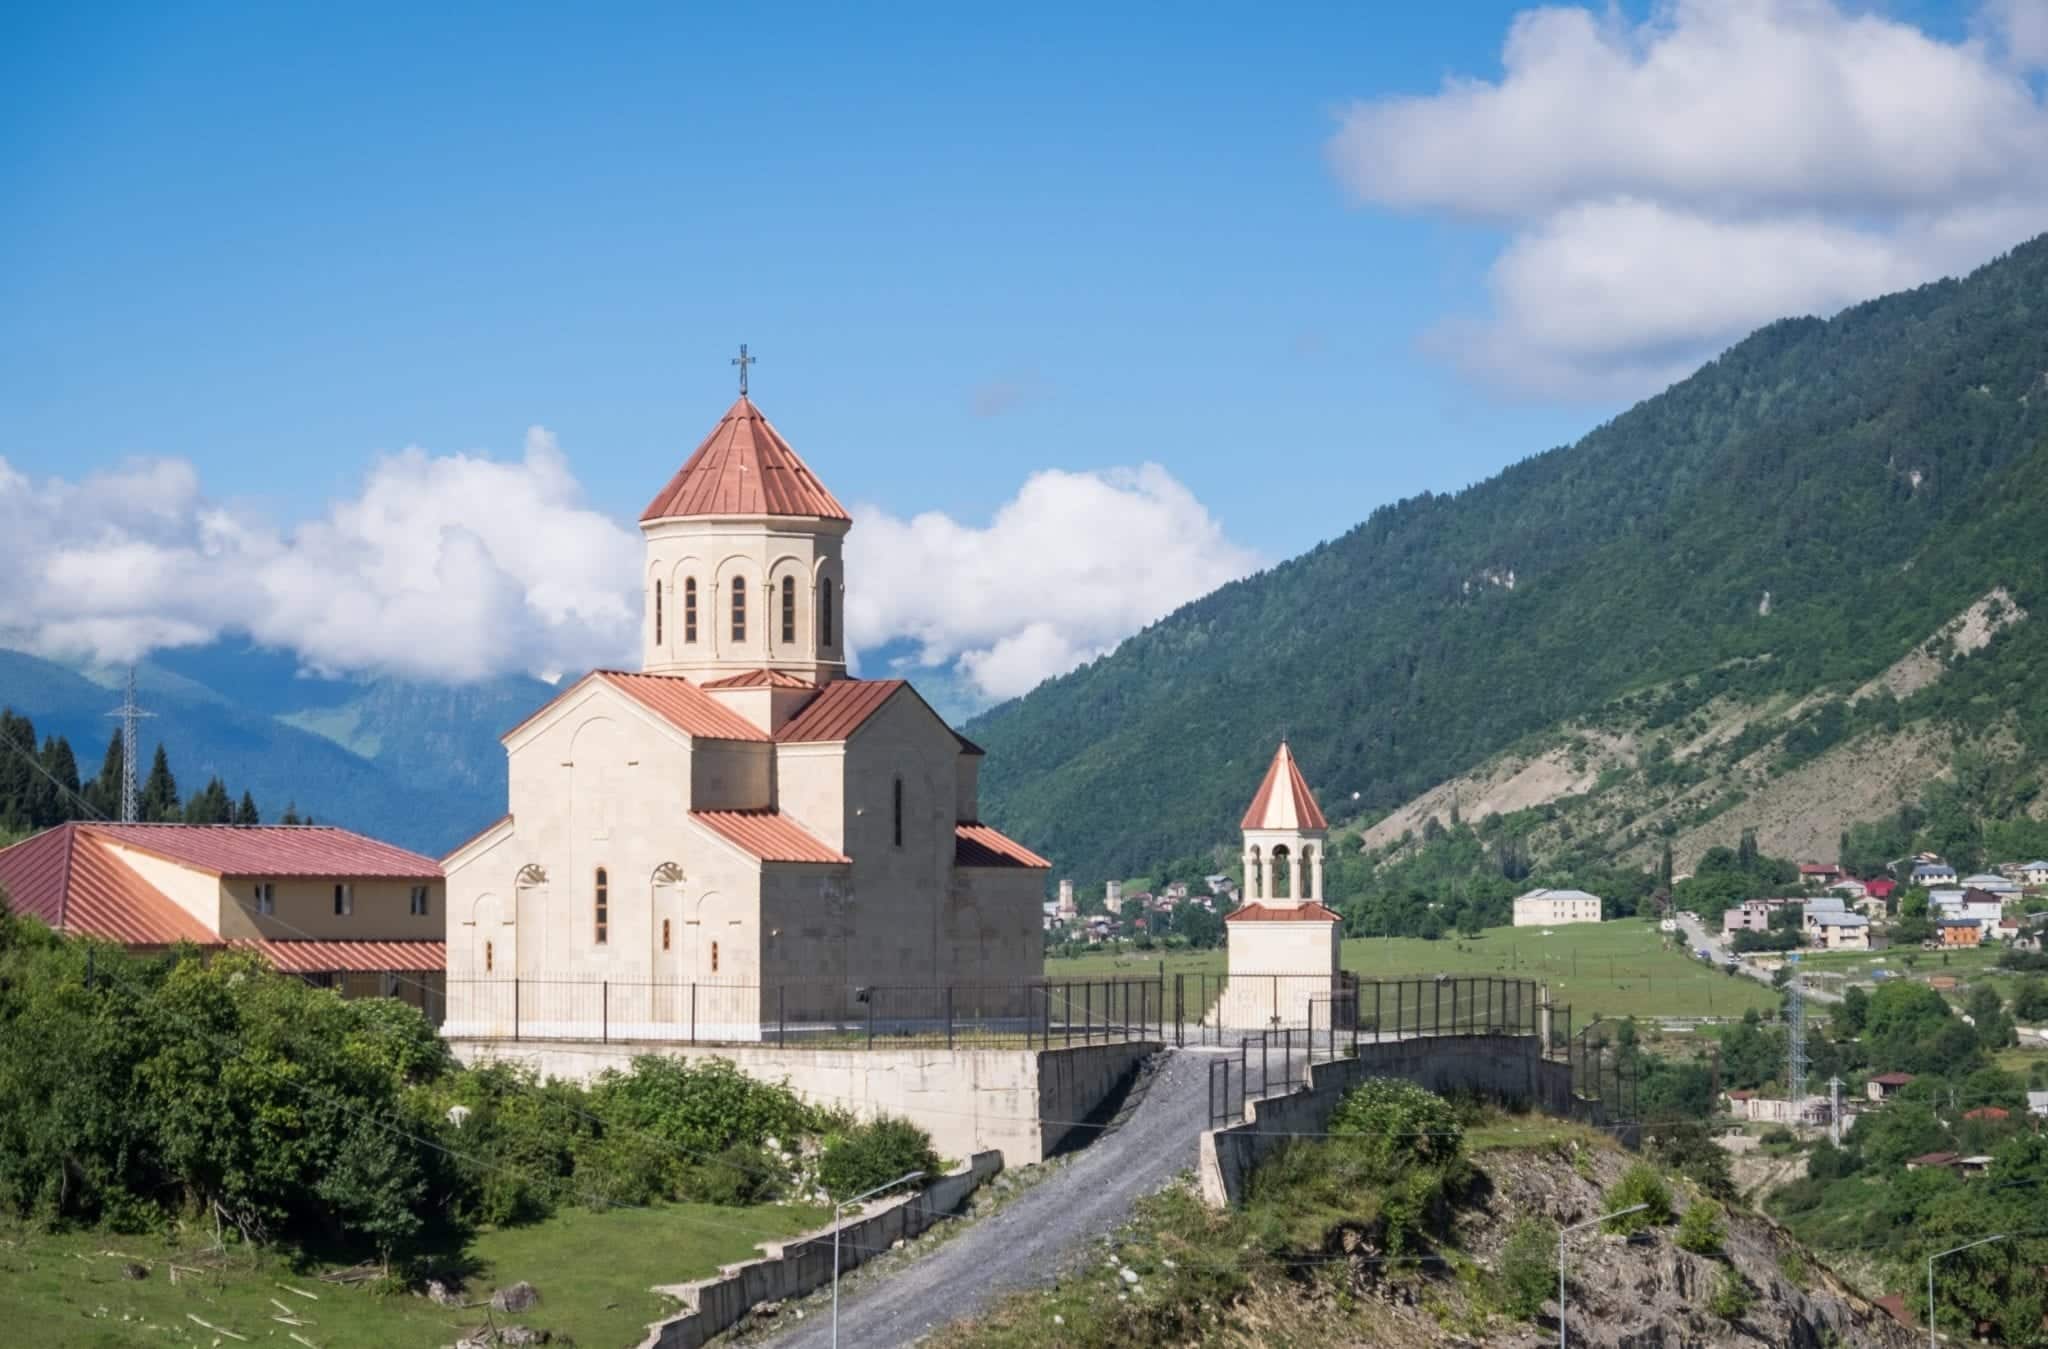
x=664, y=934
x=690, y=609
x=824, y=611
x=657, y=613
x=789, y=609
x=714, y=957
x=896, y=791
x=489, y=958
x=601, y=907
x=739, y=608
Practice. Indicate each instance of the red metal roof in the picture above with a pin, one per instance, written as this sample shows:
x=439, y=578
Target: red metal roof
x=839, y=710
x=328, y=957
x=1284, y=800
x=1893, y=1079
x=64, y=877
x=978, y=845
x=273, y=850
x=760, y=679
x=768, y=835
x=683, y=705
x=1284, y=913
x=744, y=467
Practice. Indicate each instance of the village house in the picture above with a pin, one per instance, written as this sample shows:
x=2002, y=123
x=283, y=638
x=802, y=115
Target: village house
x=1849, y=889
x=1884, y=887
x=2031, y=873
x=1819, y=874
x=335, y=908
x=1753, y=915
x=1841, y=932
x=1958, y=932
x=1933, y=873
x=2037, y=1103
x=738, y=812
x=1980, y=908
x=1554, y=908
x=1991, y=885
x=1884, y=1086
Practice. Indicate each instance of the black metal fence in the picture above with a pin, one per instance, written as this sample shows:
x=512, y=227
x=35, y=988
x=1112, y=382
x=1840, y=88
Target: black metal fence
x=1214, y=1008
x=813, y=1014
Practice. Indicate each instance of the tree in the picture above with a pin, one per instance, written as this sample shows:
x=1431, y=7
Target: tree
x=103, y=793
x=2030, y=999
x=1853, y=1011
x=245, y=813
x=210, y=805
x=157, y=803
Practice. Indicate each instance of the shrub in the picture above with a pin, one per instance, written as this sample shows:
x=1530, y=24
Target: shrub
x=1700, y=1230
x=874, y=1154
x=1779, y=1134
x=1640, y=1184
x=1397, y=1122
x=742, y=1174
x=1526, y=1272
x=1732, y=1296
x=699, y=1107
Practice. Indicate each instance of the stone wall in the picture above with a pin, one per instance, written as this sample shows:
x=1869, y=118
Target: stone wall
x=1506, y=1067
x=1019, y=1102
x=801, y=1266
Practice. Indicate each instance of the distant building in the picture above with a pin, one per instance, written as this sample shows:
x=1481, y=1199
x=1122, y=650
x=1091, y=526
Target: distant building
x=331, y=906
x=1840, y=931
x=2037, y=1103
x=1217, y=883
x=1849, y=889
x=1881, y=888
x=1959, y=932
x=2032, y=873
x=1886, y=1085
x=1991, y=885
x=1933, y=873
x=1976, y=905
x=1067, y=909
x=1553, y=908
x=1819, y=873
x=1754, y=915
x=1113, y=896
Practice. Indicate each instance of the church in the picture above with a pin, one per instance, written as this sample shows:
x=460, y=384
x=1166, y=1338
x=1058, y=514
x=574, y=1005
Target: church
x=738, y=833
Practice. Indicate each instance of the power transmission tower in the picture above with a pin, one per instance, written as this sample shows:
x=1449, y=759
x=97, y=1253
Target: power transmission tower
x=1795, y=1044
x=129, y=714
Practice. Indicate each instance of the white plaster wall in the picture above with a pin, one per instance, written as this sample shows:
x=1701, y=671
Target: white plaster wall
x=810, y=788
x=196, y=892
x=382, y=911
x=1298, y=960
x=899, y=893
x=760, y=551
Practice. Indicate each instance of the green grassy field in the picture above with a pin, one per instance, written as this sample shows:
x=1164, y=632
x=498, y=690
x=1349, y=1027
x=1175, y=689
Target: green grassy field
x=595, y=1273
x=1622, y=968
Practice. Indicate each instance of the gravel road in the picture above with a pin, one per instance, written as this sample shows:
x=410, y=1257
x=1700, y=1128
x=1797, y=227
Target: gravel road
x=1042, y=1232
x=1698, y=935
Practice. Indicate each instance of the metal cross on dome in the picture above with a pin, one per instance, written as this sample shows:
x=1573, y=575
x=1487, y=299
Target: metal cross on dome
x=743, y=361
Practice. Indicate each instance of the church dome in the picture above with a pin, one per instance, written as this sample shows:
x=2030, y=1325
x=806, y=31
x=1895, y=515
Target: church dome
x=744, y=467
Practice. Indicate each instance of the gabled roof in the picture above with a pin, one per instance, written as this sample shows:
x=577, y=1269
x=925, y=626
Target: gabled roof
x=64, y=877
x=1310, y=912
x=1284, y=800
x=840, y=709
x=671, y=697
x=744, y=467
x=1892, y=1079
x=759, y=679
x=979, y=845
x=273, y=850
x=769, y=835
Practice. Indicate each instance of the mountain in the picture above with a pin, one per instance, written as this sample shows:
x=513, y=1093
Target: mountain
x=1787, y=523
x=417, y=764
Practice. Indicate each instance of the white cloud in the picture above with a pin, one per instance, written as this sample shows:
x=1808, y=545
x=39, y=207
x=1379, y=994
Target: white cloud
x=1670, y=184
x=1071, y=566
x=457, y=567
x=446, y=567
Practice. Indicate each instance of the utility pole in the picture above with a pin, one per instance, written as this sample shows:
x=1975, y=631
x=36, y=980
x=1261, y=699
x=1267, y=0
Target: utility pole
x=129, y=714
x=1835, y=1110
x=1795, y=1043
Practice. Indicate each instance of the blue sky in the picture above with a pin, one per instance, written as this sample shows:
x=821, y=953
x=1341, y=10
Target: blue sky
x=968, y=244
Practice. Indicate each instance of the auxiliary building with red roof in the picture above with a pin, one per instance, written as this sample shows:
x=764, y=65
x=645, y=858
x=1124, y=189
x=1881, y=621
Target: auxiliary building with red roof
x=737, y=833
x=332, y=906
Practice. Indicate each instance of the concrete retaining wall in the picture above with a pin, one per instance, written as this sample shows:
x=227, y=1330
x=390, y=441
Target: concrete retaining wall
x=1507, y=1067
x=805, y=1265
x=1015, y=1101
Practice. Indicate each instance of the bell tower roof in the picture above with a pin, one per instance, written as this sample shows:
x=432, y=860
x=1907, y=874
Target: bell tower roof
x=1284, y=800
x=744, y=467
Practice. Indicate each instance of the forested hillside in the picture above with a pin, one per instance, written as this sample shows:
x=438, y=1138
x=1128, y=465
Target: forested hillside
x=1800, y=513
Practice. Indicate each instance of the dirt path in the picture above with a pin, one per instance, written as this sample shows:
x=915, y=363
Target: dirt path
x=1041, y=1233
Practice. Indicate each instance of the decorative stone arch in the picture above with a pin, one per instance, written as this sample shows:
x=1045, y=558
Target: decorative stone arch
x=827, y=601
x=682, y=573
x=1283, y=873
x=790, y=568
x=719, y=613
x=1254, y=872
x=657, y=607
x=528, y=923
x=1310, y=860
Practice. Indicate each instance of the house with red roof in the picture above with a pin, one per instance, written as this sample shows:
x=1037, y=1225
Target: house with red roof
x=737, y=833
x=334, y=907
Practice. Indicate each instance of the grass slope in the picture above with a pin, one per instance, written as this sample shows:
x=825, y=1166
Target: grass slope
x=595, y=1271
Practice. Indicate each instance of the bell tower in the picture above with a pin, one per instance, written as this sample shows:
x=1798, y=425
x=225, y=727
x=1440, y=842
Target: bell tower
x=743, y=570
x=1284, y=834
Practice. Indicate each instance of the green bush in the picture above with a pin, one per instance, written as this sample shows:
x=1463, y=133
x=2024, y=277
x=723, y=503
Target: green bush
x=874, y=1154
x=1732, y=1296
x=1525, y=1271
x=742, y=1174
x=1640, y=1184
x=701, y=1107
x=1700, y=1230
x=1396, y=1122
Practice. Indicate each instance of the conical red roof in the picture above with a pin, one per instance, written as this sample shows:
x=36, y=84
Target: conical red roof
x=744, y=467
x=1284, y=800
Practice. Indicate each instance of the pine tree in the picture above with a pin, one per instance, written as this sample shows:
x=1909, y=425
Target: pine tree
x=245, y=814
x=62, y=766
x=104, y=791
x=291, y=813
x=17, y=774
x=210, y=805
x=1664, y=868
x=158, y=802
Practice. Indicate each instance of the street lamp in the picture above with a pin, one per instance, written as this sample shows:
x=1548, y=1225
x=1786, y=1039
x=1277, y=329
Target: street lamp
x=838, y=1216
x=1561, y=1236
x=1981, y=1241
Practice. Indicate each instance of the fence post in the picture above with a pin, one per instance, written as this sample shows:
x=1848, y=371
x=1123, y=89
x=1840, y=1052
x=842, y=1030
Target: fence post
x=782, y=1014
x=515, y=1007
x=1180, y=1010
x=949, y=1016
x=1436, y=1008
x=605, y=1001
x=693, y=1011
x=871, y=1016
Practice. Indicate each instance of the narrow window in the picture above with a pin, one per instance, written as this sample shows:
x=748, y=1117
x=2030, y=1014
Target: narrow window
x=690, y=609
x=739, y=608
x=419, y=901
x=266, y=897
x=664, y=934
x=714, y=957
x=344, y=899
x=896, y=791
x=601, y=907
x=657, y=613
x=789, y=609
x=489, y=961
x=825, y=611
